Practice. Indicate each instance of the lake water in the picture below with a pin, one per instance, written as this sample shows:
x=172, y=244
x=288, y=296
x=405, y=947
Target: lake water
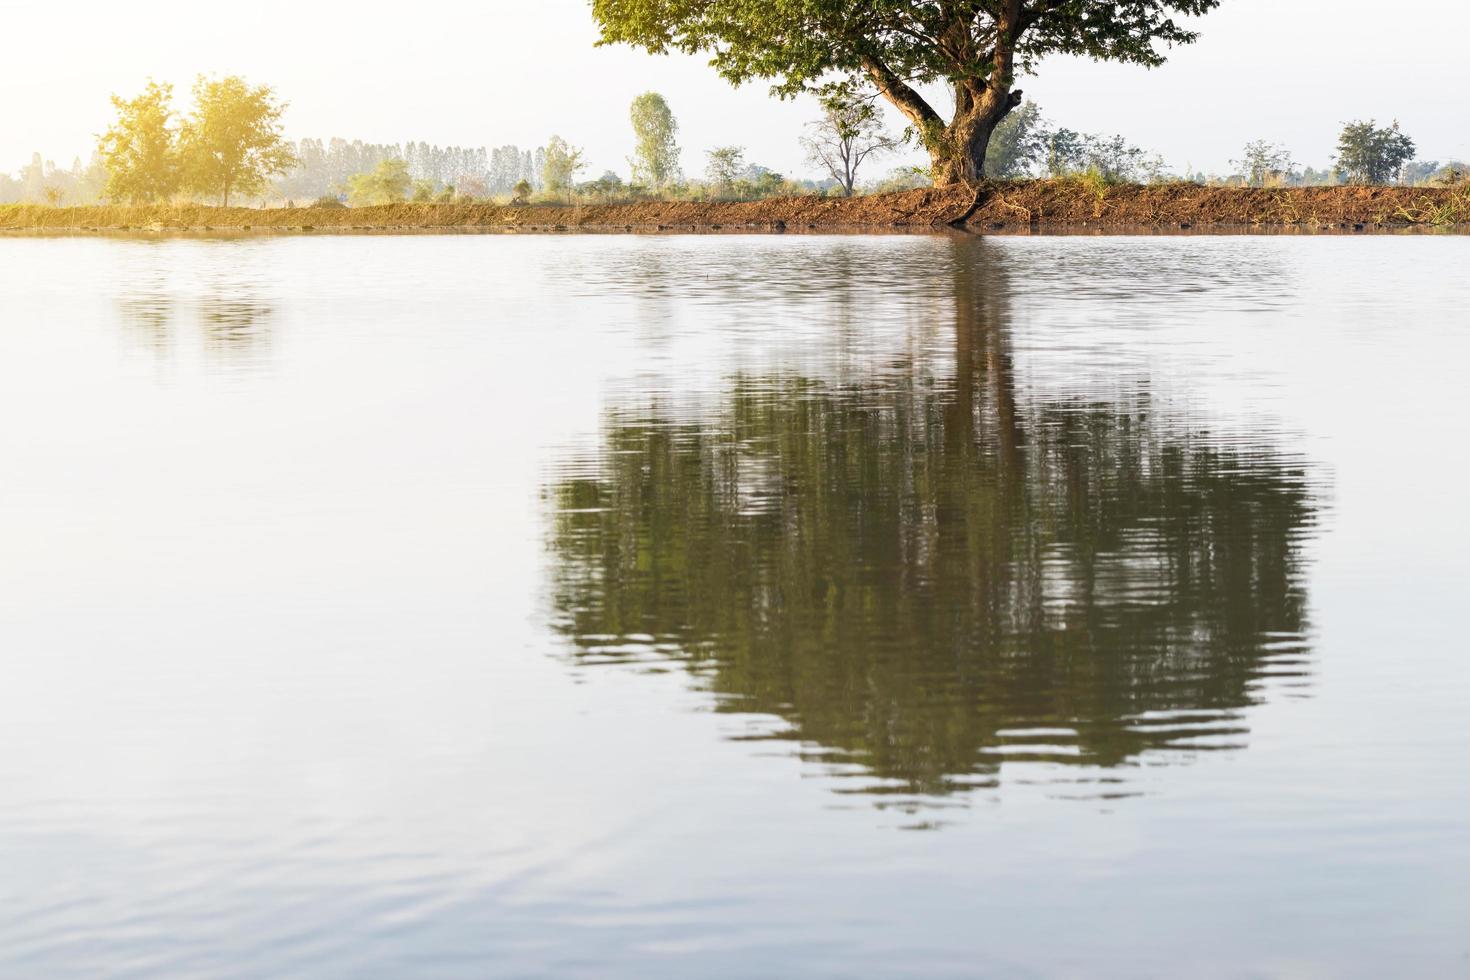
x=478, y=606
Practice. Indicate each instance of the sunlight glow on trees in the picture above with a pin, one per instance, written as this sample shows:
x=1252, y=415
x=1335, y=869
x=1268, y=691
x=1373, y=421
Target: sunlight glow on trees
x=387, y=183
x=232, y=143
x=140, y=150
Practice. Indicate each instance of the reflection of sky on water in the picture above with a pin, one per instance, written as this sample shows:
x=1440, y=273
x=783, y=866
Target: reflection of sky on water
x=281, y=696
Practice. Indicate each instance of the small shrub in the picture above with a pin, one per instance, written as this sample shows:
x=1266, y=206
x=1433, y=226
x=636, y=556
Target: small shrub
x=1092, y=182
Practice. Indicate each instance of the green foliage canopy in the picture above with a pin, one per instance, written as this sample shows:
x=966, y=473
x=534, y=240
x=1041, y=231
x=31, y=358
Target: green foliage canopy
x=1369, y=154
x=976, y=46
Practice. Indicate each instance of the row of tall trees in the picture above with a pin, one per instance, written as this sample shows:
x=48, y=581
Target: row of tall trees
x=229, y=144
x=382, y=174
x=324, y=168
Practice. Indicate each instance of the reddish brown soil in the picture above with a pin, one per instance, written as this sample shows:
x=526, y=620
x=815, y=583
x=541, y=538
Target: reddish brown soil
x=1017, y=206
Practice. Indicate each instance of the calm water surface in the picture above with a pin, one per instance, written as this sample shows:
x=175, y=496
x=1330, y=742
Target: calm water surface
x=734, y=607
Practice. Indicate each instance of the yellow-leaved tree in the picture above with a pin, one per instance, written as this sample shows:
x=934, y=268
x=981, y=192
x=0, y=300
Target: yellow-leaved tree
x=232, y=142
x=139, y=151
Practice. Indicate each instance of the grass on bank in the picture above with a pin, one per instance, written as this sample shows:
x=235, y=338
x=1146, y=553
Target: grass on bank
x=1079, y=198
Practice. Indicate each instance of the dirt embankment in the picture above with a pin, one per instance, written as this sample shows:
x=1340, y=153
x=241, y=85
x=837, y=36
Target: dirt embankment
x=1015, y=206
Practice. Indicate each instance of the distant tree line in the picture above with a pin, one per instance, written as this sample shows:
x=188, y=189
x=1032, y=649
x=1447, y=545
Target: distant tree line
x=230, y=148
x=324, y=168
x=365, y=174
x=1026, y=144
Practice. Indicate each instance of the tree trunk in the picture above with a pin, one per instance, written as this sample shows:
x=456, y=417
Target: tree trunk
x=957, y=155
x=957, y=150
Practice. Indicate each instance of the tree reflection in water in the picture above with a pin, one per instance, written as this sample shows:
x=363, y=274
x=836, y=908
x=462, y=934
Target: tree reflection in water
x=161, y=303
x=927, y=578
x=236, y=325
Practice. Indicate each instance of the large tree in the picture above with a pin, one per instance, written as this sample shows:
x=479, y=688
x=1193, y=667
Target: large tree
x=139, y=151
x=975, y=47
x=232, y=143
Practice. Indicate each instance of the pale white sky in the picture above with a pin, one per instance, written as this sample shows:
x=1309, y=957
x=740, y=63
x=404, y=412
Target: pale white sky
x=516, y=71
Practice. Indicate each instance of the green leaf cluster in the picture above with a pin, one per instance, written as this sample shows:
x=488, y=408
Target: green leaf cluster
x=799, y=42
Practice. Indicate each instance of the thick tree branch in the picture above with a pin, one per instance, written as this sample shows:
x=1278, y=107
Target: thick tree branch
x=901, y=94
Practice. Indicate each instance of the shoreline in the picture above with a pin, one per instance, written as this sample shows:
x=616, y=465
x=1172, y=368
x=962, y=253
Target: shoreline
x=1023, y=207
